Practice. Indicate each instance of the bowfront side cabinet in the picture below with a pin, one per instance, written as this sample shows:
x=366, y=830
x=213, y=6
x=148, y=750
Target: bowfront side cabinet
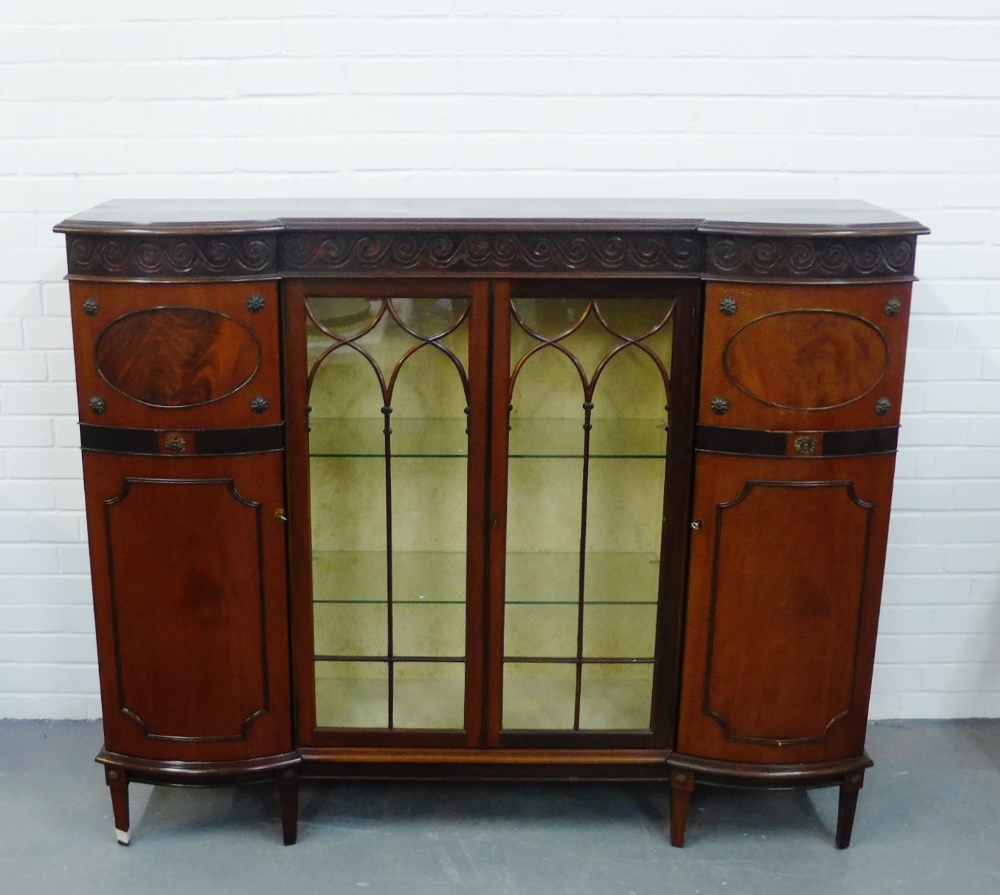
x=181, y=428
x=797, y=422
x=522, y=490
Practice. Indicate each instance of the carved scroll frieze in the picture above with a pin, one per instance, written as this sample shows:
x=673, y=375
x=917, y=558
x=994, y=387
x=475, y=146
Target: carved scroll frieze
x=739, y=257
x=166, y=256
x=717, y=256
x=515, y=252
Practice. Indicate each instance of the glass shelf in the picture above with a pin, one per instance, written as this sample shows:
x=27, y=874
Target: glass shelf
x=609, y=438
x=360, y=577
x=364, y=437
x=446, y=437
x=439, y=578
x=611, y=631
x=610, y=578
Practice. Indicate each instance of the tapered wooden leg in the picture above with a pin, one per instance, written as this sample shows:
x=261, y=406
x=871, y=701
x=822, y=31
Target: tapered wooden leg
x=849, y=790
x=288, y=793
x=681, y=785
x=118, y=782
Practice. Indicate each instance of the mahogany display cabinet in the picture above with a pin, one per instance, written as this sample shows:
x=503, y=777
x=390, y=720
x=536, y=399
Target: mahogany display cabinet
x=584, y=489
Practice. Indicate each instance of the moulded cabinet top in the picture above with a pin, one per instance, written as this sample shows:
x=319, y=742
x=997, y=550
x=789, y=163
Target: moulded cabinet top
x=771, y=218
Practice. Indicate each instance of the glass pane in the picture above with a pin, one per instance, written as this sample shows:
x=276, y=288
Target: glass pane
x=389, y=447
x=629, y=438
x=540, y=630
x=428, y=577
x=625, y=507
x=429, y=318
x=543, y=507
x=630, y=416
x=546, y=417
x=360, y=576
x=608, y=437
x=344, y=317
x=616, y=697
x=342, y=575
x=352, y=694
x=624, y=577
x=410, y=437
x=619, y=631
x=348, y=504
x=538, y=697
x=428, y=629
x=635, y=318
x=543, y=578
x=610, y=578
x=551, y=317
x=350, y=629
x=429, y=695
x=428, y=507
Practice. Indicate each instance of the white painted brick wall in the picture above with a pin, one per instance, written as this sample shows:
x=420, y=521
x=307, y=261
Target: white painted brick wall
x=892, y=101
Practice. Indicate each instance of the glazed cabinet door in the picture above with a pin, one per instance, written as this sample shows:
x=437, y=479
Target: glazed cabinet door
x=592, y=402
x=386, y=389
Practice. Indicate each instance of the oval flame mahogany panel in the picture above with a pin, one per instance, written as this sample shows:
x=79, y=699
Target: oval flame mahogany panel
x=807, y=360
x=177, y=357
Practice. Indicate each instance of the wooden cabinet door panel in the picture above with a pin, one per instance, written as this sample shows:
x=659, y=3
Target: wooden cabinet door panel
x=177, y=356
x=784, y=585
x=803, y=357
x=188, y=560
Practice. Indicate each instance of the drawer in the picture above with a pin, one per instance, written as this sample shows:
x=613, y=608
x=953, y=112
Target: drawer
x=807, y=358
x=177, y=356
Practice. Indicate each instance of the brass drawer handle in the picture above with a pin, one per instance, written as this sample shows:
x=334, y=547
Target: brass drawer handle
x=805, y=445
x=175, y=443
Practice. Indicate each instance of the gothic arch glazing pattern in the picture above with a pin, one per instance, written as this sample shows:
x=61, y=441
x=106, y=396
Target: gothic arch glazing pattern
x=389, y=399
x=589, y=400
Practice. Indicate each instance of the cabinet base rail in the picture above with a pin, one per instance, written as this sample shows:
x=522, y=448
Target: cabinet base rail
x=686, y=770
x=120, y=770
x=682, y=772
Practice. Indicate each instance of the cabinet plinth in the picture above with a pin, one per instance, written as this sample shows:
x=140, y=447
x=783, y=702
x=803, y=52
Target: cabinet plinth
x=448, y=491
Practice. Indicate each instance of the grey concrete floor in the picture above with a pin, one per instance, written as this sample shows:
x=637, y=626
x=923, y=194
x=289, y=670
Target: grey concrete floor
x=928, y=822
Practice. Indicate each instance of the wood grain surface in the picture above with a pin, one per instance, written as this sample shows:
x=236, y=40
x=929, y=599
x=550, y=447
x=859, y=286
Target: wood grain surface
x=188, y=565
